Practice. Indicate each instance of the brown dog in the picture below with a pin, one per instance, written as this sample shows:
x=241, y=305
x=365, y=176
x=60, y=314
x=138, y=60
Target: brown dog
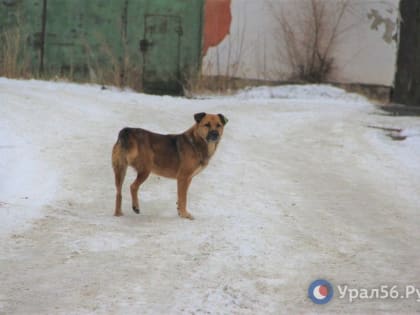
x=178, y=156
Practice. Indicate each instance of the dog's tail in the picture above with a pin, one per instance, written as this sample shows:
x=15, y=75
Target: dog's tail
x=119, y=159
x=120, y=149
x=120, y=164
x=124, y=138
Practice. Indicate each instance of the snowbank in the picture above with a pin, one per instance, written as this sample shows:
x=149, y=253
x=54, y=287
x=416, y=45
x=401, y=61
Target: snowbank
x=301, y=92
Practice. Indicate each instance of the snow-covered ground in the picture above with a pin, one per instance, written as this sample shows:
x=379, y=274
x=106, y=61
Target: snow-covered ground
x=300, y=189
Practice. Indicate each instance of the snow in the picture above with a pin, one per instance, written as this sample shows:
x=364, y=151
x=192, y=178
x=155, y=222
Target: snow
x=299, y=189
x=308, y=92
x=24, y=188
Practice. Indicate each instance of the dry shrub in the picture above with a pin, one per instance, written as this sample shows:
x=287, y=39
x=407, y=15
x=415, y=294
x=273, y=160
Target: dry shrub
x=106, y=67
x=307, y=32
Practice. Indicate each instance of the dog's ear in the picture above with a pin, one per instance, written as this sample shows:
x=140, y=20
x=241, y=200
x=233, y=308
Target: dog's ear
x=223, y=119
x=198, y=117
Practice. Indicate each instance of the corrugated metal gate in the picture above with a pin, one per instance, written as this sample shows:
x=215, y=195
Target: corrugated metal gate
x=157, y=42
x=162, y=41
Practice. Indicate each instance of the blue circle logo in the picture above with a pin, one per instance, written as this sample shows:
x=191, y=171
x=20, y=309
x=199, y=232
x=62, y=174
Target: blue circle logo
x=320, y=291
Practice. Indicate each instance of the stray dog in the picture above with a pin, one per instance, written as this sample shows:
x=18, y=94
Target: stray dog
x=179, y=156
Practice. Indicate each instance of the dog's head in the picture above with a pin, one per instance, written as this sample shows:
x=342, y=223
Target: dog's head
x=210, y=126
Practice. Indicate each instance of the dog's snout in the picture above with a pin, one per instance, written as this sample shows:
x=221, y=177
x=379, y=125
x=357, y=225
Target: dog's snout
x=213, y=135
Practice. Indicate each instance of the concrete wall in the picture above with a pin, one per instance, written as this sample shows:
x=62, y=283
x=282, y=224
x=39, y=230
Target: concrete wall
x=254, y=48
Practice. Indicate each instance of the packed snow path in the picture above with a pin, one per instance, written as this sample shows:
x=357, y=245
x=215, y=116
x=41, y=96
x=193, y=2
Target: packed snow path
x=299, y=189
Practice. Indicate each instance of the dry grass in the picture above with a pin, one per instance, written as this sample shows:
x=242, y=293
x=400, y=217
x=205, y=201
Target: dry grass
x=222, y=85
x=14, y=58
x=101, y=66
x=203, y=84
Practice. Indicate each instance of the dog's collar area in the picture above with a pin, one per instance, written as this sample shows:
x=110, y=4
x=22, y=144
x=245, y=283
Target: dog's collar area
x=200, y=157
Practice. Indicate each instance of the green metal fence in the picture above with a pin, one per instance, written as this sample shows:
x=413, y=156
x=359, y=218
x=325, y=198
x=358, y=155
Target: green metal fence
x=155, y=44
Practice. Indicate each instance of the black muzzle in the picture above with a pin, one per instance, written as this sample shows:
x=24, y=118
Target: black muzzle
x=213, y=136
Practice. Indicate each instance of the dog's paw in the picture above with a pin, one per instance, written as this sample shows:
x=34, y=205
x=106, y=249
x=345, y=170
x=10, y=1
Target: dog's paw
x=186, y=215
x=136, y=210
x=118, y=214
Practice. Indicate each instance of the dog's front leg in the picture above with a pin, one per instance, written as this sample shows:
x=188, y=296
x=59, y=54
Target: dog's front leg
x=183, y=184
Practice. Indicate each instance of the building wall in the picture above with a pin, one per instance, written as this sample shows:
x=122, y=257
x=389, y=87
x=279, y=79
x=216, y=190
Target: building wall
x=364, y=52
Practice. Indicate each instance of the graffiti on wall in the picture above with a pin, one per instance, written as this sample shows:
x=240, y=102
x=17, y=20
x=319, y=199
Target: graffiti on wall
x=390, y=26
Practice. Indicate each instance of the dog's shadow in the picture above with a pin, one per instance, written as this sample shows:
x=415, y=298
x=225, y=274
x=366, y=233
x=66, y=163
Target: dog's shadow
x=151, y=213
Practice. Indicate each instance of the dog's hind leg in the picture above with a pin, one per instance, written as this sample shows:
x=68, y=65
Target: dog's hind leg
x=134, y=188
x=120, y=168
x=119, y=179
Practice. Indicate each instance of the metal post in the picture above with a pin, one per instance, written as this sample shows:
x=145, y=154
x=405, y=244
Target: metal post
x=42, y=39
